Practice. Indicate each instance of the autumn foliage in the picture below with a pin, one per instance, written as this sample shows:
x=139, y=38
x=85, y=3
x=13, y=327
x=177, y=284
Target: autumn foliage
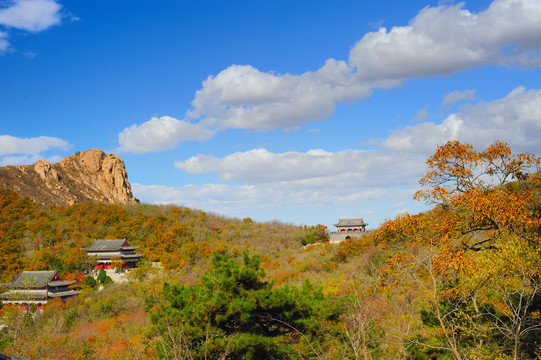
x=460, y=281
x=477, y=253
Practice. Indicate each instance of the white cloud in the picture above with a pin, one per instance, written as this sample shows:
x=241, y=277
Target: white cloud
x=31, y=15
x=4, y=43
x=351, y=168
x=295, y=184
x=265, y=183
x=162, y=133
x=264, y=201
x=422, y=114
x=21, y=151
x=243, y=97
x=259, y=196
x=514, y=119
x=27, y=159
x=214, y=197
x=260, y=165
x=446, y=39
x=262, y=182
x=28, y=15
x=438, y=41
x=455, y=96
x=10, y=145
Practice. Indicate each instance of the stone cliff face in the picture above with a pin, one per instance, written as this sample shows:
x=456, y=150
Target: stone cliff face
x=86, y=176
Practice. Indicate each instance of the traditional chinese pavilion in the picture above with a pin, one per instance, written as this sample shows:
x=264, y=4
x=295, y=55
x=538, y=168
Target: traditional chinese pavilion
x=347, y=229
x=106, y=251
x=36, y=288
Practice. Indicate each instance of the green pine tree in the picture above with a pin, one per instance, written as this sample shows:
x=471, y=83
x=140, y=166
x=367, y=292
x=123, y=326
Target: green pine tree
x=236, y=314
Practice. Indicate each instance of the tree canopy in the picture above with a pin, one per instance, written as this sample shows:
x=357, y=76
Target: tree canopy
x=481, y=241
x=236, y=314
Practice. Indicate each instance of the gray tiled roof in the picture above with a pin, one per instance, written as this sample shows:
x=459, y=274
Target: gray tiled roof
x=103, y=245
x=33, y=279
x=350, y=222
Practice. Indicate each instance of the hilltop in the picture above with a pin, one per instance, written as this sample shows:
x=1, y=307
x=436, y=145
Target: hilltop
x=85, y=176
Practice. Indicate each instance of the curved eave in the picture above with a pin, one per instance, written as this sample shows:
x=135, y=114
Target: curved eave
x=131, y=256
x=63, y=294
x=111, y=249
x=61, y=283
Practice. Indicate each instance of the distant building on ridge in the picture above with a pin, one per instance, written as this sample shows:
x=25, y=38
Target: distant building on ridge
x=347, y=229
x=36, y=288
x=107, y=251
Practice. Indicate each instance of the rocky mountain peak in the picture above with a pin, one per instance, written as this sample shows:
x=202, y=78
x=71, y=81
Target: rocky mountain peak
x=90, y=175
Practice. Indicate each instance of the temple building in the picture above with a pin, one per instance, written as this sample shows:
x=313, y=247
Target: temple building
x=109, y=251
x=347, y=229
x=36, y=288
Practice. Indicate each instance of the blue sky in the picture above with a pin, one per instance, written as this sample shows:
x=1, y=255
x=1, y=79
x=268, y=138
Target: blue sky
x=299, y=111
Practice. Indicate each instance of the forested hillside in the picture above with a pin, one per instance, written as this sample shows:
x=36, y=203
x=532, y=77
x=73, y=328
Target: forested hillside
x=36, y=237
x=458, y=282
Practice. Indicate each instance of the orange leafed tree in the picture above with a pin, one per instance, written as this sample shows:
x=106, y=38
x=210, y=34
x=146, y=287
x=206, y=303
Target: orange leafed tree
x=477, y=199
x=486, y=207
x=477, y=186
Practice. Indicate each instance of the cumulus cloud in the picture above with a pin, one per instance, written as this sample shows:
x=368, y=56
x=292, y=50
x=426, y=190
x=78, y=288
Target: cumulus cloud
x=31, y=15
x=230, y=199
x=260, y=196
x=456, y=96
x=515, y=119
x=438, y=41
x=27, y=159
x=300, y=169
x=28, y=15
x=243, y=97
x=446, y=39
x=162, y=133
x=214, y=197
x=271, y=200
x=23, y=151
x=355, y=179
x=10, y=145
x=422, y=114
x=4, y=43
x=260, y=165
x=262, y=183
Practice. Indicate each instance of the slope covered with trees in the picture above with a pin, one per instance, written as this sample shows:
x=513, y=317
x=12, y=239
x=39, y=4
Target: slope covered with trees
x=36, y=237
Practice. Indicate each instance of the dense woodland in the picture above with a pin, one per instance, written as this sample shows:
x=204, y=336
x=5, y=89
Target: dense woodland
x=461, y=281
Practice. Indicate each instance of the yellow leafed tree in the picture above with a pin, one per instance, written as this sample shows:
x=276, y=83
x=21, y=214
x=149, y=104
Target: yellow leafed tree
x=481, y=240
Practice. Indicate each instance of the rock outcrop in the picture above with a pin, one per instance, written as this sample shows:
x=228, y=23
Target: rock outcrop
x=86, y=176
